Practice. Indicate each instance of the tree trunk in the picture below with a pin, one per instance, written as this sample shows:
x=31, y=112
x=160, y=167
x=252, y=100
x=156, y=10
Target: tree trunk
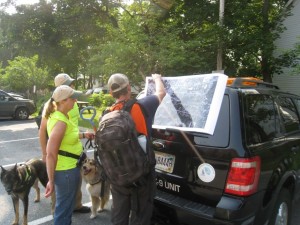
x=265, y=63
x=265, y=69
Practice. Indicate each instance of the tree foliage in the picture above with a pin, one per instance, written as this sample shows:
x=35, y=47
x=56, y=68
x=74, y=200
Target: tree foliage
x=22, y=74
x=173, y=37
x=291, y=59
x=252, y=32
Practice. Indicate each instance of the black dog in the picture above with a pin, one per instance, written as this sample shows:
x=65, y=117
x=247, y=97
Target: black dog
x=18, y=181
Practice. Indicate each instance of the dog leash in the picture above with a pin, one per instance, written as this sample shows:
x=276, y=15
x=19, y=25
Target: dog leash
x=89, y=119
x=89, y=144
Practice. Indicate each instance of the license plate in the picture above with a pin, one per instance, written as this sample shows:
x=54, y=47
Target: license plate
x=164, y=162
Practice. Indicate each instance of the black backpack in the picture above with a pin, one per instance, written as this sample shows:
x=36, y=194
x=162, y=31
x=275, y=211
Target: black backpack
x=123, y=159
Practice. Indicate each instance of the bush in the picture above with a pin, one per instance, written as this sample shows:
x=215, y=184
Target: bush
x=101, y=100
x=95, y=100
x=41, y=100
x=107, y=99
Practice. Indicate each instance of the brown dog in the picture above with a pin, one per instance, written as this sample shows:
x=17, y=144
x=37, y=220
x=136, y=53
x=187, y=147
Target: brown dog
x=96, y=184
x=18, y=181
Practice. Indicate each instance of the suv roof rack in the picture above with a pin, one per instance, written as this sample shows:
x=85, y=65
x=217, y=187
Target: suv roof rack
x=249, y=82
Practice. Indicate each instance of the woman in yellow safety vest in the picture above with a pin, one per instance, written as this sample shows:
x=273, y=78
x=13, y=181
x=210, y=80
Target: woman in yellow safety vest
x=63, y=151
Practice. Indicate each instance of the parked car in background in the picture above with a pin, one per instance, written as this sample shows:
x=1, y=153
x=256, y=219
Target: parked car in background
x=97, y=91
x=89, y=91
x=246, y=173
x=15, y=95
x=16, y=107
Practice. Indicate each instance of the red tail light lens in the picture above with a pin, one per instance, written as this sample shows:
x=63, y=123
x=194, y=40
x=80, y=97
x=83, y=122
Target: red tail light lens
x=243, y=176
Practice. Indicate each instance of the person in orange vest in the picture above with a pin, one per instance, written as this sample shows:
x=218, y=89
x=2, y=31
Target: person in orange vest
x=124, y=211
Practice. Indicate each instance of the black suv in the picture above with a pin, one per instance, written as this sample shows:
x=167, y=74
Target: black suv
x=246, y=173
x=16, y=107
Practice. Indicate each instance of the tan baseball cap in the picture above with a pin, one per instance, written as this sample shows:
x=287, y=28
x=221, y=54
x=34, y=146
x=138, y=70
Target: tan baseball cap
x=63, y=92
x=117, y=82
x=63, y=79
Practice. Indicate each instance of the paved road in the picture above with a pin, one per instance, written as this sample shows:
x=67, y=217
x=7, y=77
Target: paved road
x=18, y=142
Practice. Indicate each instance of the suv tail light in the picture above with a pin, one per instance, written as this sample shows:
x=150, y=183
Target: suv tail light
x=243, y=176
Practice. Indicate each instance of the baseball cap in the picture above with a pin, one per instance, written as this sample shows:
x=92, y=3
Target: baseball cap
x=63, y=92
x=63, y=79
x=118, y=81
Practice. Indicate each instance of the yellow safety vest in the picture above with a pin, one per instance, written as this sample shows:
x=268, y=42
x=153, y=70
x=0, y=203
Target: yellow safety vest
x=74, y=114
x=70, y=142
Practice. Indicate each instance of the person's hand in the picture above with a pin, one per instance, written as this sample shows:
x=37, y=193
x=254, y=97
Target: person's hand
x=156, y=76
x=89, y=135
x=49, y=189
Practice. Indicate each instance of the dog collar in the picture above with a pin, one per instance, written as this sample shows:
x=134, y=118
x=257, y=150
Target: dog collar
x=27, y=173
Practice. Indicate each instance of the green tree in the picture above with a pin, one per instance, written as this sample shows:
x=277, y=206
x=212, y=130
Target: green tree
x=144, y=41
x=32, y=30
x=185, y=39
x=290, y=59
x=97, y=38
x=252, y=32
x=60, y=32
x=22, y=74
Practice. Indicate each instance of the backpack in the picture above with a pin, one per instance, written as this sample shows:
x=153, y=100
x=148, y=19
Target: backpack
x=122, y=157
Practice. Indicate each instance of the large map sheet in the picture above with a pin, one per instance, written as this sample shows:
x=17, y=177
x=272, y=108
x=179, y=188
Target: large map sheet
x=192, y=102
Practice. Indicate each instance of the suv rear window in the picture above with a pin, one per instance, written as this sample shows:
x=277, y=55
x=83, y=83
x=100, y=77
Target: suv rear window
x=261, y=118
x=222, y=130
x=288, y=114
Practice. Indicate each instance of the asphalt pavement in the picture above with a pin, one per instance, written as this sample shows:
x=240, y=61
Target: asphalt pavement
x=19, y=142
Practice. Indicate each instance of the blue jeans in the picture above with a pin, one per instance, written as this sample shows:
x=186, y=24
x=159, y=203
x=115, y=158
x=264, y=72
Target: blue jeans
x=66, y=185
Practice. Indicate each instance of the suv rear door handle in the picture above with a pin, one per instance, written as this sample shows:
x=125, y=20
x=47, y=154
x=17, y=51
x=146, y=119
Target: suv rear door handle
x=158, y=145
